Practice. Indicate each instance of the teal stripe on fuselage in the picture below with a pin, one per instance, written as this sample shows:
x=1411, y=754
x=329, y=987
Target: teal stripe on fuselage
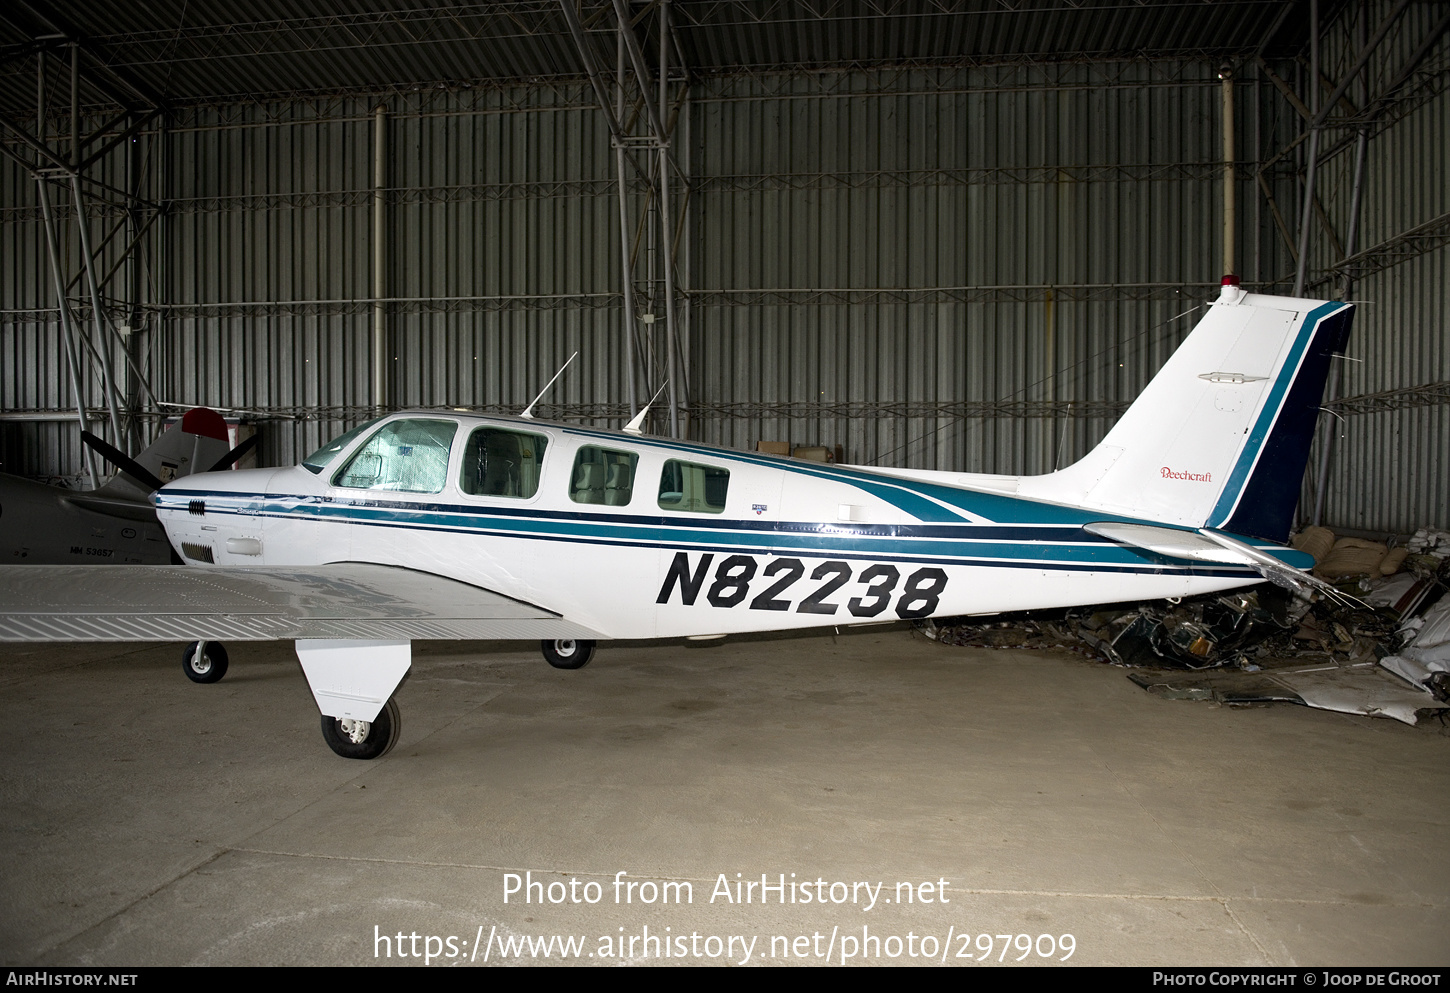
x=1065, y=547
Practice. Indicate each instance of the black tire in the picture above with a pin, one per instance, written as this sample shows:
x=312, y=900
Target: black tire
x=567, y=653
x=361, y=740
x=209, y=667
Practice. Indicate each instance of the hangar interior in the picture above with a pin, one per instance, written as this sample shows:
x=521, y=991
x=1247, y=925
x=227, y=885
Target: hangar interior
x=936, y=234
x=955, y=235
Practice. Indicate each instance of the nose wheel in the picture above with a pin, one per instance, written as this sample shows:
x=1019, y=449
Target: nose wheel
x=364, y=739
x=204, y=661
x=568, y=653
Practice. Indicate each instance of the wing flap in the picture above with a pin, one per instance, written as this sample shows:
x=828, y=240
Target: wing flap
x=184, y=603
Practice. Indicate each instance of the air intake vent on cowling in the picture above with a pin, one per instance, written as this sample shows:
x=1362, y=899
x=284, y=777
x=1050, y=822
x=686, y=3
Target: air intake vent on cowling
x=197, y=507
x=197, y=553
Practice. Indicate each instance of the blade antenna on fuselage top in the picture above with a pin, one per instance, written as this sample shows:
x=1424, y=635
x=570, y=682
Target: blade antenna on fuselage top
x=636, y=425
x=529, y=410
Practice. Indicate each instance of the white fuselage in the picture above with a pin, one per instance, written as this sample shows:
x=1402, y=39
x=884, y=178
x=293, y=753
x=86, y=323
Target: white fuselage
x=778, y=543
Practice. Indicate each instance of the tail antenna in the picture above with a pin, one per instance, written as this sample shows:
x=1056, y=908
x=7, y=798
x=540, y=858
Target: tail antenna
x=636, y=426
x=529, y=410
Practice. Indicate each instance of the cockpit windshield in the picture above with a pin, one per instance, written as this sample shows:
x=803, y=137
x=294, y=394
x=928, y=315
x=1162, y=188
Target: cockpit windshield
x=408, y=456
x=320, y=459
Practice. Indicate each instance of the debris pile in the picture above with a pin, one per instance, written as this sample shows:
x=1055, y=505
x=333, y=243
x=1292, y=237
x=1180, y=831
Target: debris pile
x=1193, y=633
x=1424, y=655
x=1391, y=613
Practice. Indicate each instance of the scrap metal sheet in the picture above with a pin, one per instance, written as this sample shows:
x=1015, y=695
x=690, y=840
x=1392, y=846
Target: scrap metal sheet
x=1359, y=689
x=1350, y=689
x=183, y=603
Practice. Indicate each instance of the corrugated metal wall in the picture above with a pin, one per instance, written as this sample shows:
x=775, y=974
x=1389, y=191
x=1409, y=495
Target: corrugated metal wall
x=502, y=237
x=1033, y=235
x=1390, y=470
x=925, y=267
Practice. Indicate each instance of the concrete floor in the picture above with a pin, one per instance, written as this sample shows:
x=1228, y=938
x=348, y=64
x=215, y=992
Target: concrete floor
x=150, y=821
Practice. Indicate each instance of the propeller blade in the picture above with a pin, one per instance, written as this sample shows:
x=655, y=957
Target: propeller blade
x=121, y=461
x=235, y=455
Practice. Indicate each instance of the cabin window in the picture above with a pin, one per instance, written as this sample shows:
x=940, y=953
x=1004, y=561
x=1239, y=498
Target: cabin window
x=502, y=463
x=699, y=489
x=408, y=456
x=323, y=457
x=603, y=476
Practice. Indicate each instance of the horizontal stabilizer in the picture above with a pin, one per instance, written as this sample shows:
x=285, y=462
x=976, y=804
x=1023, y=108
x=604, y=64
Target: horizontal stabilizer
x=1172, y=542
x=1205, y=545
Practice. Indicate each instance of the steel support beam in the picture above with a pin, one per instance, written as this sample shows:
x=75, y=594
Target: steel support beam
x=98, y=317
x=380, y=259
x=58, y=154
x=640, y=106
x=1321, y=490
x=667, y=230
x=1306, y=213
x=1229, y=218
x=1366, y=50
x=66, y=332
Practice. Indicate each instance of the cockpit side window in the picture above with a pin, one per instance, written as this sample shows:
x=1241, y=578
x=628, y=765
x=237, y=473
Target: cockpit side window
x=409, y=456
x=698, y=489
x=503, y=463
x=603, y=476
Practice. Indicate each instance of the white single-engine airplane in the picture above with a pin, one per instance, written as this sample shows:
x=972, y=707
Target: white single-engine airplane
x=442, y=525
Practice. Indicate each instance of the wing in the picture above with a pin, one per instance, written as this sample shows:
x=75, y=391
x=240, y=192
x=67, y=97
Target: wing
x=347, y=600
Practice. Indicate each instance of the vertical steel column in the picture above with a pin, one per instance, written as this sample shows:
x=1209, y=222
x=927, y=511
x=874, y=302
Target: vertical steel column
x=1258, y=273
x=380, y=259
x=75, y=106
x=1306, y=216
x=1321, y=489
x=667, y=239
x=1226, y=74
x=613, y=118
x=626, y=269
x=132, y=295
x=682, y=126
x=163, y=246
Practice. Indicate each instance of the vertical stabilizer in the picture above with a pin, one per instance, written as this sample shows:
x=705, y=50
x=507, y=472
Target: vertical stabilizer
x=1221, y=436
x=193, y=444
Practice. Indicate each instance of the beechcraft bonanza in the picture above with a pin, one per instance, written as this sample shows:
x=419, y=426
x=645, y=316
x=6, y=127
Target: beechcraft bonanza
x=442, y=525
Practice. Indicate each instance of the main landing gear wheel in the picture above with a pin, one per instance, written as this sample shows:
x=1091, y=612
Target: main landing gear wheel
x=204, y=661
x=364, y=739
x=567, y=653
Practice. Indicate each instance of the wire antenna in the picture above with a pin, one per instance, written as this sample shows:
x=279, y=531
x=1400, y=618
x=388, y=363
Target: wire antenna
x=529, y=410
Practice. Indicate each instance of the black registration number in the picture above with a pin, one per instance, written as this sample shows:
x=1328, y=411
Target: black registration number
x=824, y=588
